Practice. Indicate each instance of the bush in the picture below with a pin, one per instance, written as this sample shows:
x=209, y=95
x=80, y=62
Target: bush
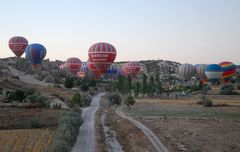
x=76, y=100
x=56, y=85
x=91, y=91
x=18, y=95
x=115, y=98
x=129, y=101
x=206, y=102
x=67, y=131
x=37, y=98
x=227, y=90
x=86, y=100
x=57, y=106
x=35, y=123
x=84, y=87
x=69, y=82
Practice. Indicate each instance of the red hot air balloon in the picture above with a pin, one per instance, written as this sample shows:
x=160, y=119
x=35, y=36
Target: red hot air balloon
x=93, y=68
x=18, y=44
x=131, y=68
x=102, y=55
x=73, y=65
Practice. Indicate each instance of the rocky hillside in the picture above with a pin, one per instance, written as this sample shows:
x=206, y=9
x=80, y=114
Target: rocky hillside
x=49, y=70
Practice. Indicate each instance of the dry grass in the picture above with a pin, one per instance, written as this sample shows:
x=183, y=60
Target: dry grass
x=233, y=102
x=27, y=140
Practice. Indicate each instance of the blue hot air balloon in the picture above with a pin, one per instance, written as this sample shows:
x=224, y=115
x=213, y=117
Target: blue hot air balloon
x=214, y=73
x=111, y=70
x=35, y=53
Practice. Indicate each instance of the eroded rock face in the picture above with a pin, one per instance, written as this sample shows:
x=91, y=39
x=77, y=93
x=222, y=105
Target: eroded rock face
x=48, y=71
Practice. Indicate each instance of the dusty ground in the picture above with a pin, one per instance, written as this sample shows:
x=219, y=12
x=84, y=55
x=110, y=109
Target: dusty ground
x=27, y=140
x=129, y=136
x=182, y=125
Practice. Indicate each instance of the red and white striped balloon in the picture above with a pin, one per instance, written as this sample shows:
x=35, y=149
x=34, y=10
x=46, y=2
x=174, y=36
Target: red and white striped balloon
x=102, y=55
x=18, y=44
x=73, y=64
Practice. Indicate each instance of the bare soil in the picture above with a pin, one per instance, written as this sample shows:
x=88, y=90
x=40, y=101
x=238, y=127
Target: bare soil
x=182, y=125
x=131, y=138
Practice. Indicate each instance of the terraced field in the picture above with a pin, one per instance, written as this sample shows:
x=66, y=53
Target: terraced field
x=26, y=140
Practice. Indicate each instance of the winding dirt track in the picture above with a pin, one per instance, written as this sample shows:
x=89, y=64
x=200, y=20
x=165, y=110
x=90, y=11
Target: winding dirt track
x=151, y=136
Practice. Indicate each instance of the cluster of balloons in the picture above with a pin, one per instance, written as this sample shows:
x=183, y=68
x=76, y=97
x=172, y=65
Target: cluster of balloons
x=35, y=52
x=212, y=72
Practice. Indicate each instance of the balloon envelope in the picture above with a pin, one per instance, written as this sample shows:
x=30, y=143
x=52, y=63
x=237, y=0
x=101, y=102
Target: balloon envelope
x=213, y=72
x=18, y=44
x=131, y=68
x=186, y=71
x=102, y=55
x=229, y=70
x=200, y=70
x=35, y=53
x=73, y=64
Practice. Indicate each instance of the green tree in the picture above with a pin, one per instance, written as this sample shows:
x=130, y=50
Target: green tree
x=129, y=85
x=151, y=87
x=144, y=84
x=136, y=88
x=69, y=82
x=76, y=99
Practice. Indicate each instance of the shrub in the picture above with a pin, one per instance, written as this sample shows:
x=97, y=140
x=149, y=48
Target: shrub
x=91, y=91
x=115, y=98
x=37, y=98
x=86, y=100
x=56, y=85
x=84, y=87
x=76, y=99
x=69, y=82
x=57, y=106
x=205, y=101
x=228, y=90
x=35, y=123
x=30, y=91
x=67, y=131
x=129, y=101
x=18, y=95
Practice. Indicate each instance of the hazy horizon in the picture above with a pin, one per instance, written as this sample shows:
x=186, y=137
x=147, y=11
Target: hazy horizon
x=188, y=31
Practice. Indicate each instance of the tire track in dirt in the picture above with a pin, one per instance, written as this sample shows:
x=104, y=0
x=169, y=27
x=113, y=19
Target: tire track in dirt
x=151, y=136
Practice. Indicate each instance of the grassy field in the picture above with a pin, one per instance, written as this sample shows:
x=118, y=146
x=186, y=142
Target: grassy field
x=222, y=109
x=27, y=140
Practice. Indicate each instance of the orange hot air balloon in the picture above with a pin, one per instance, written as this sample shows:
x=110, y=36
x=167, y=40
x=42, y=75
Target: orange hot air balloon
x=102, y=55
x=18, y=44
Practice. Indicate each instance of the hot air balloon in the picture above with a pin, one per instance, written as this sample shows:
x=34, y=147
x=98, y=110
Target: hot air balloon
x=186, y=71
x=131, y=68
x=83, y=71
x=213, y=73
x=73, y=65
x=200, y=70
x=111, y=71
x=102, y=55
x=18, y=44
x=35, y=53
x=93, y=68
x=229, y=70
x=238, y=70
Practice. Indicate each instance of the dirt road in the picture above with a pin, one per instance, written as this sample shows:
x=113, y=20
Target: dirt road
x=151, y=136
x=86, y=141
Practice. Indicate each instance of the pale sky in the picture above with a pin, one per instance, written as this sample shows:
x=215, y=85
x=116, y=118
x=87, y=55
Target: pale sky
x=185, y=31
